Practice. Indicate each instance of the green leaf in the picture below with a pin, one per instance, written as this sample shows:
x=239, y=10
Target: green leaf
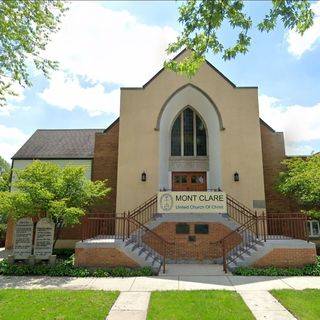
x=202, y=20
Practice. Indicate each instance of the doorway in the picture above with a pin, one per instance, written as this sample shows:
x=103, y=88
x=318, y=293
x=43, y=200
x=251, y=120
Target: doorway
x=189, y=181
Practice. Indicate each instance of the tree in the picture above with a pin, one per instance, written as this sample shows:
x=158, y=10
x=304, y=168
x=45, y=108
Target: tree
x=201, y=21
x=25, y=29
x=44, y=189
x=4, y=174
x=301, y=182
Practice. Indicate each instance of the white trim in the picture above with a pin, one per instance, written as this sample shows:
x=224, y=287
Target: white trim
x=193, y=98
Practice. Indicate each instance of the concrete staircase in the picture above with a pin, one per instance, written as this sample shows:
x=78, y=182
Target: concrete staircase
x=245, y=256
x=261, y=249
x=141, y=254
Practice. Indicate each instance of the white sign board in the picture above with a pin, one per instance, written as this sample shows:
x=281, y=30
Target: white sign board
x=192, y=202
x=23, y=234
x=43, y=242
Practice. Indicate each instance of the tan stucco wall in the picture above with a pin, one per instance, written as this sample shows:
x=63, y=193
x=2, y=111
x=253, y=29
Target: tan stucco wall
x=86, y=163
x=139, y=141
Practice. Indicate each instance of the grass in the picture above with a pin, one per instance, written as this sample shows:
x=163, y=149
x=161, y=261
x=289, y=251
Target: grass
x=303, y=304
x=55, y=304
x=197, y=305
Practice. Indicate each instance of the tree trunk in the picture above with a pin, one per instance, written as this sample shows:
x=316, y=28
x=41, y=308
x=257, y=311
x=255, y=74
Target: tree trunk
x=57, y=233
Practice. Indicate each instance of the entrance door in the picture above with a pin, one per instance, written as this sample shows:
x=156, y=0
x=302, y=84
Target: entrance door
x=189, y=181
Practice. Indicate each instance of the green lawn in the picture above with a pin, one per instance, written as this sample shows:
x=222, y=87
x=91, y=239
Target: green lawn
x=303, y=304
x=197, y=305
x=55, y=304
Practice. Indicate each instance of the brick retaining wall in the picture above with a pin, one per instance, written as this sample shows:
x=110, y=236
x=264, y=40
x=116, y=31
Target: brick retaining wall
x=102, y=257
x=287, y=257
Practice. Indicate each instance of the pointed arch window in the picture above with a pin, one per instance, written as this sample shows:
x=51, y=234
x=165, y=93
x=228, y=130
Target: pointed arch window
x=188, y=135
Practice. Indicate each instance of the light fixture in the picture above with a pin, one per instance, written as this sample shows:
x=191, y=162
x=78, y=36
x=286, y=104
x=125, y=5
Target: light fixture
x=236, y=176
x=143, y=176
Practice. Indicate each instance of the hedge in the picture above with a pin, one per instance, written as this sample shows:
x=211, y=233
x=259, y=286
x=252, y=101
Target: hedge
x=308, y=270
x=66, y=268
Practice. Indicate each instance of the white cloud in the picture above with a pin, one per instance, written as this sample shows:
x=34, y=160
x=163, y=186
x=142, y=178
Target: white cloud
x=105, y=45
x=299, y=123
x=67, y=93
x=9, y=109
x=297, y=44
x=11, y=139
x=102, y=46
x=297, y=149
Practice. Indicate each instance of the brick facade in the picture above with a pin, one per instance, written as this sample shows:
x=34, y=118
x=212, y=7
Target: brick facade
x=287, y=257
x=273, y=153
x=183, y=249
x=103, y=258
x=104, y=167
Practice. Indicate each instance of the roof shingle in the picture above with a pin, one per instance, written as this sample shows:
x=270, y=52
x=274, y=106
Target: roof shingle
x=59, y=144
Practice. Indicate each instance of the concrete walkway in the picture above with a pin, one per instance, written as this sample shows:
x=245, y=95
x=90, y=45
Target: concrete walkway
x=264, y=306
x=162, y=283
x=130, y=305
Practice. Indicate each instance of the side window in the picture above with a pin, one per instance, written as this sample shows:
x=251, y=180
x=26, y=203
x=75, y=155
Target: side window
x=314, y=228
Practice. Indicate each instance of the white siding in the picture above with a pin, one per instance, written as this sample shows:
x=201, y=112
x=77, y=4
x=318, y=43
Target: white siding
x=86, y=163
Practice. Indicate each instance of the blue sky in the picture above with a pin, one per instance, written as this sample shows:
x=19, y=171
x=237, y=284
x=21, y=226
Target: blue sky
x=104, y=45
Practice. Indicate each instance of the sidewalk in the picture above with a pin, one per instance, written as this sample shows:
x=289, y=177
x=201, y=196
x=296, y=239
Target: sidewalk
x=162, y=283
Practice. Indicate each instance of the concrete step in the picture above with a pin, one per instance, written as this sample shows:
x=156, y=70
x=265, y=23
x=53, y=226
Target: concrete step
x=141, y=255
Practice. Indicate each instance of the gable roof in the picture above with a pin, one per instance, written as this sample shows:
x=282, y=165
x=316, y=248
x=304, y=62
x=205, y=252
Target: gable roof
x=59, y=144
x=205, y=61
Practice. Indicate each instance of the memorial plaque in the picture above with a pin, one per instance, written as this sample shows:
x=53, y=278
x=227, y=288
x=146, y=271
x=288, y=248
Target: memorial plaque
x=43, y=242
x=22, y=248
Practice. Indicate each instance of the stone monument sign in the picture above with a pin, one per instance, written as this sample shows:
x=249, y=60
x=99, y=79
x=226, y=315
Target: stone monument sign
x=22, y=248
x=43, y=243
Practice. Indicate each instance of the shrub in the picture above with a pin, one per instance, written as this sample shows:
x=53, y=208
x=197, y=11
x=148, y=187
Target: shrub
x=308, y=270
x=63, y=252
x=66, y=268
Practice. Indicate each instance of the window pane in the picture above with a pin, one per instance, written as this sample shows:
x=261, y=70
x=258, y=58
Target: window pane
x=176, y=138
x=201, y=138
x=309, y=228
x=180, y=179
x=188, y=132
x=315, y=228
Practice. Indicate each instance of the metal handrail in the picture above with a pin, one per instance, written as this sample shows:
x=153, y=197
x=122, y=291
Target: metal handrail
x=123, y=231
x=149, y=230
x=144, y=205
x=256, y=230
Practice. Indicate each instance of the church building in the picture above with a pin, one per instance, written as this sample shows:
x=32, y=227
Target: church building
x=180, y=136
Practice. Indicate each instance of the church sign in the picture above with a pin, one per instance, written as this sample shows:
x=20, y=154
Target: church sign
x=43, y=242
x=22, y=248
x=192, y=202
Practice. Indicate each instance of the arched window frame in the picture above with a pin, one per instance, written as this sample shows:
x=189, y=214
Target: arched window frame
x=195, y=114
